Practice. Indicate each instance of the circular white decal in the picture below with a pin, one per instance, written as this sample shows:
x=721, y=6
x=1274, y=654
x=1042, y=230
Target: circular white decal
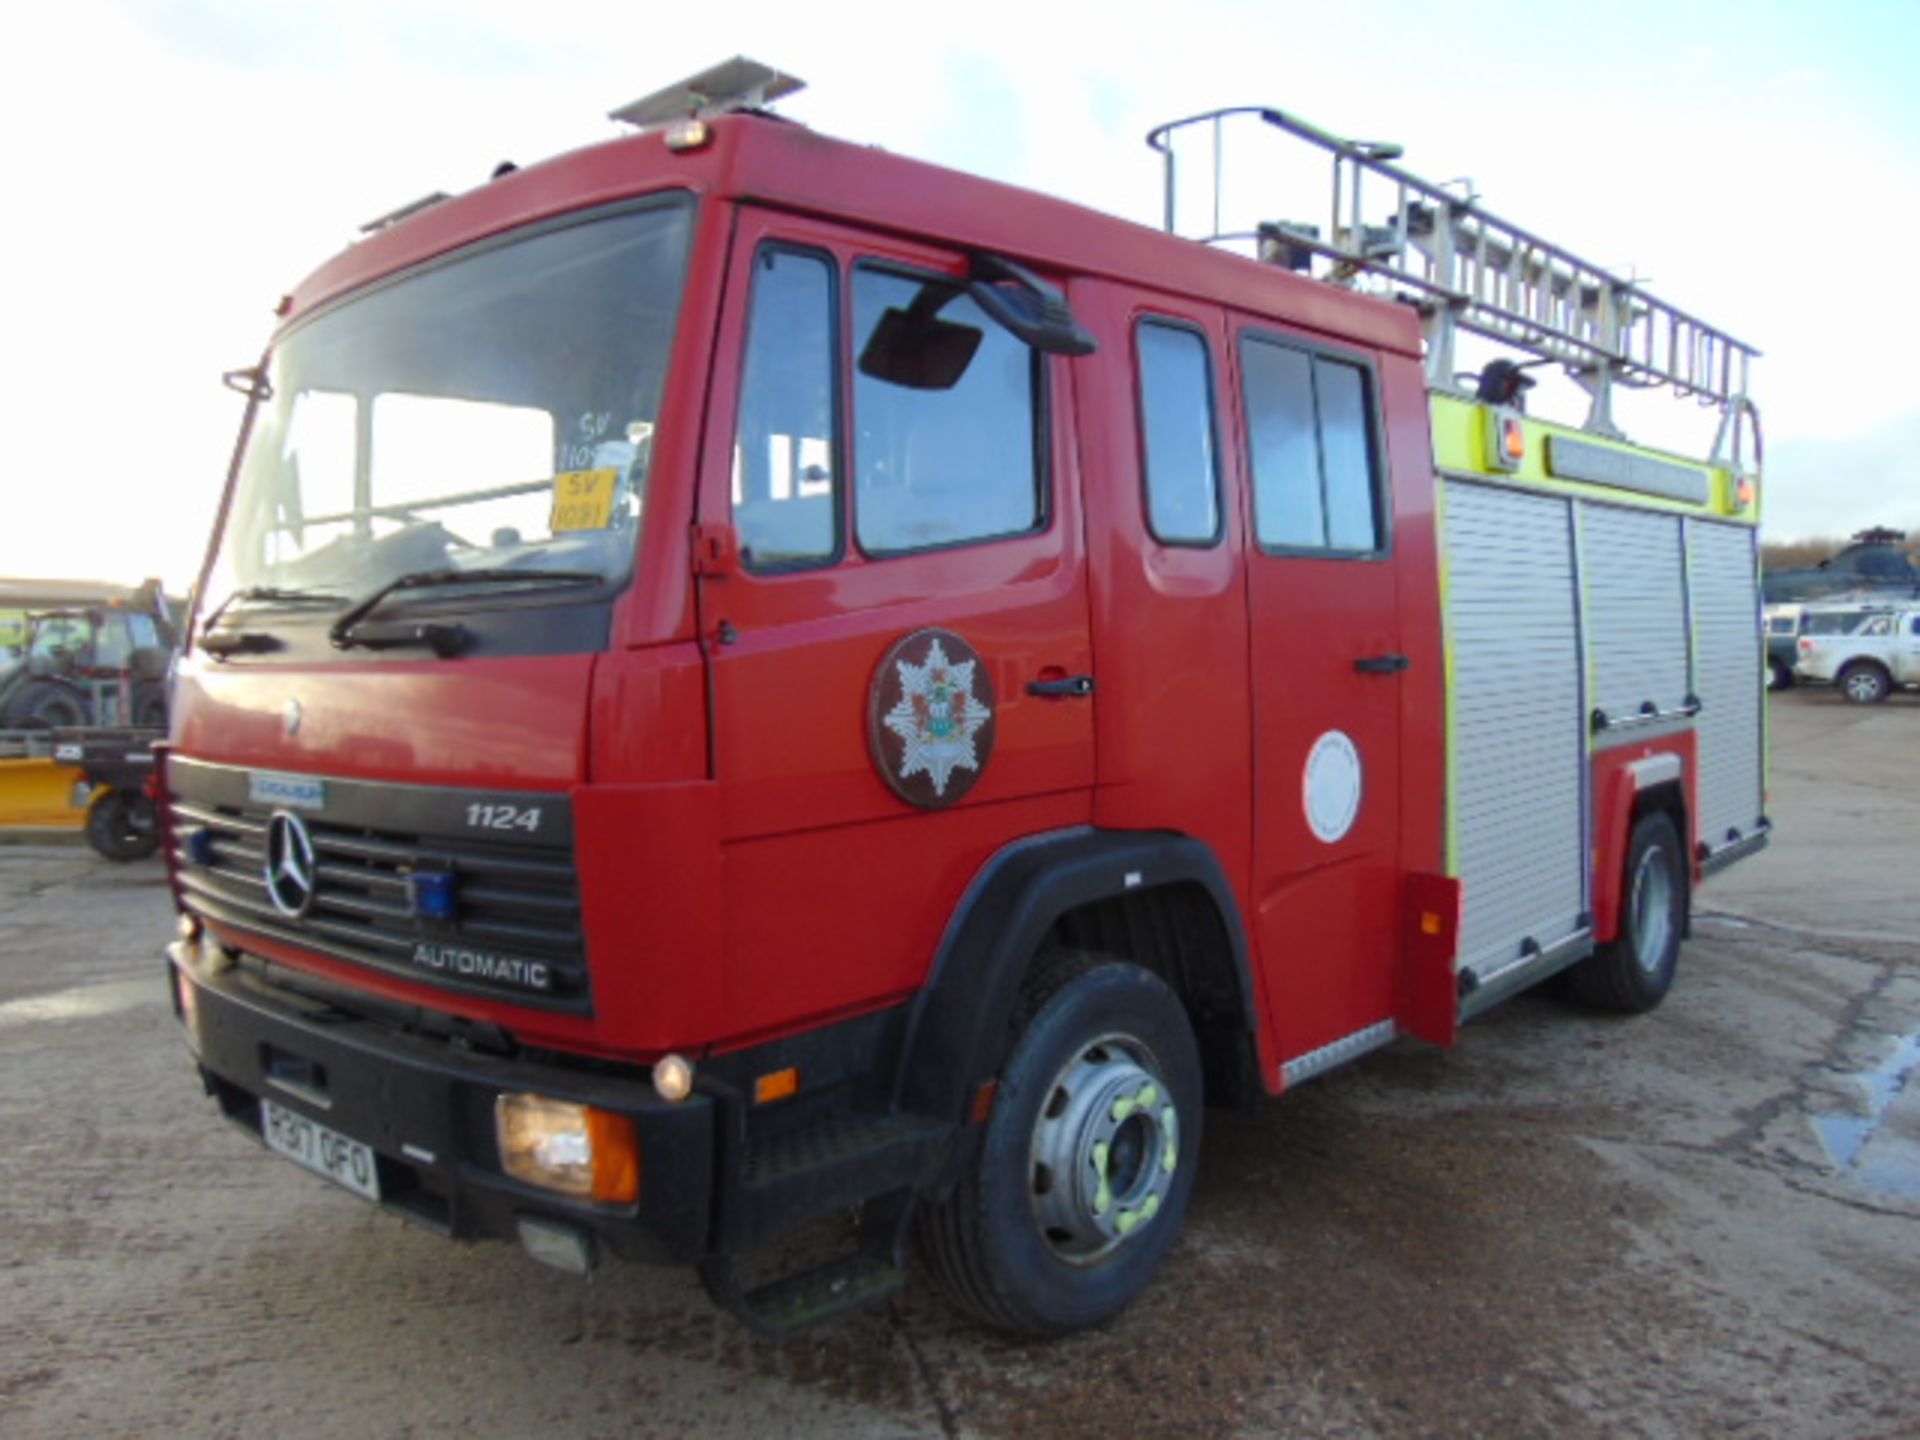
x=1330, y=788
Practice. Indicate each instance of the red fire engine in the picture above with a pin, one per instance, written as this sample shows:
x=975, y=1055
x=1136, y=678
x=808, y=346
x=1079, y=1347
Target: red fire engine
x=743, y=677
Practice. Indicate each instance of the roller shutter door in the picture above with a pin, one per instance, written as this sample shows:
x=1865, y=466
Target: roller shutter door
x=1727, y=678
x=1633, y=570
x=1519, y=748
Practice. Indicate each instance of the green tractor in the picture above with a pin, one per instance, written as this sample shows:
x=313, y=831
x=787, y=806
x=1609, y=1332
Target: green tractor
x=97, y=659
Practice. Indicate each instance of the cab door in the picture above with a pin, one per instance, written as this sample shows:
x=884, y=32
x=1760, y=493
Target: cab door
x=1327, y=661
x=889, y=490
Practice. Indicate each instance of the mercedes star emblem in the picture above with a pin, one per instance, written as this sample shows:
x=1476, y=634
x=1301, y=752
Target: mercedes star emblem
x=290, y=868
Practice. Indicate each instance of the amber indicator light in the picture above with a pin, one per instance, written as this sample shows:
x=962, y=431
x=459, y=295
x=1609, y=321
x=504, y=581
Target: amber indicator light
x=776, y=1086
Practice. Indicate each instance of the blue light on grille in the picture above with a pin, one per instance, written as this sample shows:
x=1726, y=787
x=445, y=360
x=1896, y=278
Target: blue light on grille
x=435, y=894
x=200, y=846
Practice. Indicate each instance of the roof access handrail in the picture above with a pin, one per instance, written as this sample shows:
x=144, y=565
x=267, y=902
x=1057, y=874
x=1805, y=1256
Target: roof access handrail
x=1466, y=268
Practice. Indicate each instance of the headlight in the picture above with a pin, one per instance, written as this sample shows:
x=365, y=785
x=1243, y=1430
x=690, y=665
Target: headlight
x=574, y=1149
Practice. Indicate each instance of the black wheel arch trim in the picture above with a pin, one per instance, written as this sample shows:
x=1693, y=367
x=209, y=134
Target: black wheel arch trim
x=956, y=1034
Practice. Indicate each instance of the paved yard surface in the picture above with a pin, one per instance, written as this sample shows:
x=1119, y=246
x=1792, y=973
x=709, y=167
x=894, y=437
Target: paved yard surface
x=1704, y=1222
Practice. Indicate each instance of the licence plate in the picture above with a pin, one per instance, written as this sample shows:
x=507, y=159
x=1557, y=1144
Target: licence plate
x=323, y=1151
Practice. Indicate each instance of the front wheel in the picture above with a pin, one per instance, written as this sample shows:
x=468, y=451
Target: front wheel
x=1865, y=683
x=1083, y=1174
x=1634, y=971
x=121, y=826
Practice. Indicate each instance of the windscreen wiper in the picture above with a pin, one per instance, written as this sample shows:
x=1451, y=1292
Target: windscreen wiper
x=441, y=638
x=256, y=642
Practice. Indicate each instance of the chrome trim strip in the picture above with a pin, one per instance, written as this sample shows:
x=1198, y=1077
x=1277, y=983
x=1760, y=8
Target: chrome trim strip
x=1714, y=861
x=1351, y=1047
x=1524, y=970
x=1643, y=718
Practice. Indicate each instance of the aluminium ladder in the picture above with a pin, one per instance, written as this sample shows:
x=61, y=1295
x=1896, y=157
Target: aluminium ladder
x=1465, y=268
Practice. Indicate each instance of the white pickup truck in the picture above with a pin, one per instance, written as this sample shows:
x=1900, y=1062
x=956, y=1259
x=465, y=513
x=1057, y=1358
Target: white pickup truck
x=1867, y=663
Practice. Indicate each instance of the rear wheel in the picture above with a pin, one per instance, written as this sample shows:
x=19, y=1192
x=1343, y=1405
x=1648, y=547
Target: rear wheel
x=1865, y=683
x=1779, y=677
x=44, y=705
x=150, y=705
x=122, y=826
x=1083, y=1174
x=1634, y=971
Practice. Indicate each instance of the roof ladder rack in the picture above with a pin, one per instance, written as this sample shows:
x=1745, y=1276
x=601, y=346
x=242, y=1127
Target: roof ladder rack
x=1467, y=269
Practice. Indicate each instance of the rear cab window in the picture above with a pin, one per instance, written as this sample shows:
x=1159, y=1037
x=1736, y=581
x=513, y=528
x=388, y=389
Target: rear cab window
x=1316, y=475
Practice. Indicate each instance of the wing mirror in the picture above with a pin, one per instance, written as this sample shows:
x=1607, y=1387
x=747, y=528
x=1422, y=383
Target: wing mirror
x=915, y=348
x=1034, y=311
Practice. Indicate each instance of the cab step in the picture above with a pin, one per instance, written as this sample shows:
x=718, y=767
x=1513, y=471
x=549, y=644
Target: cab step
x=835, y=1163
x=794, y=1304
x=790, y=1305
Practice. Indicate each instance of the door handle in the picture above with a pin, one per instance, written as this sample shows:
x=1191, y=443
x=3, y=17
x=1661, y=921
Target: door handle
x=1381, y=664
x=1067, y=687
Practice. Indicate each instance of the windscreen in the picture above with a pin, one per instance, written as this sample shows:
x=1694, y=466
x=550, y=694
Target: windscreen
x=494, y=411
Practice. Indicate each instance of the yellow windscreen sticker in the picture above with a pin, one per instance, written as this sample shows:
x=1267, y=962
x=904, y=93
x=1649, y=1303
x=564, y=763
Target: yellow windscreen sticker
x=582, y=500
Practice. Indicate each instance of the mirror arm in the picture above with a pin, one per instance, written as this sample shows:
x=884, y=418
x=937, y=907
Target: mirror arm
x=1055, y=332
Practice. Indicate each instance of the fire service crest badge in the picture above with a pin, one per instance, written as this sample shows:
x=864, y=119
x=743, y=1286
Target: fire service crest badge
x=930, y=718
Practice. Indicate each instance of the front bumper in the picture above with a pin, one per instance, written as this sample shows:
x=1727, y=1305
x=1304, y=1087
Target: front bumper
x=426, y=1108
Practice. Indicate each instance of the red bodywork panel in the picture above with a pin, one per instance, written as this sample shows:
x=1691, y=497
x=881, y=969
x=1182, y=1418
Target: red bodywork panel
x=504, y=724
x=1615, y=791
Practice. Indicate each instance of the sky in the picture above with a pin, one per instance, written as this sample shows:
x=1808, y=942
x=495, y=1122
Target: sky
x=176, y=166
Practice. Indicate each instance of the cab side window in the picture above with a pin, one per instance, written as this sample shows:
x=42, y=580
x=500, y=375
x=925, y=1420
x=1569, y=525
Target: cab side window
x=786, y=488
x=1177, y=449
x=1316, y=484
x=948, y=444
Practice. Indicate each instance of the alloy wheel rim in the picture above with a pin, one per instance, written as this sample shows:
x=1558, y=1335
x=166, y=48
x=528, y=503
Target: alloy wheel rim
x=1650, y=905
x=1105, y=1150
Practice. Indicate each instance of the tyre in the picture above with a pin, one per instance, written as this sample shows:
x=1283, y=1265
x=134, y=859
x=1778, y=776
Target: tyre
x=121, y=826
x=150, y=705
x=44, y=705
x=1082, y=1175
x=1634, y=971
x=1779, y=677
x=1865, y=683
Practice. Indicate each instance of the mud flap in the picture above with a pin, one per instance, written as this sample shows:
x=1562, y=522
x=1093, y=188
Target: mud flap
x=1428, y=999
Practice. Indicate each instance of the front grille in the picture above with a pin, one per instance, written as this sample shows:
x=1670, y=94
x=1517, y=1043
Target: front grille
x=515, y=932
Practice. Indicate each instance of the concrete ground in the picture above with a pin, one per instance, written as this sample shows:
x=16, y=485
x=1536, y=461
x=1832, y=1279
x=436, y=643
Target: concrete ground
x=1702, y=1222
